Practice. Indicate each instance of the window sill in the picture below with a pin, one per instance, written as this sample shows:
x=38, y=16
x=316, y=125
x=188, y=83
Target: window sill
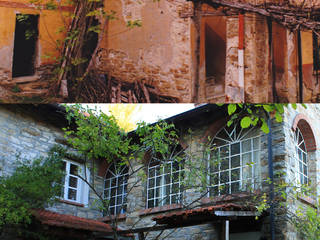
x=164, y=208
x=121, y=216
x=71, y=203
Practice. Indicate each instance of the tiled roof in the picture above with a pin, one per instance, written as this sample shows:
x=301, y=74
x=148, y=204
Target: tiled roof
x=62, y=220
x=204, y=211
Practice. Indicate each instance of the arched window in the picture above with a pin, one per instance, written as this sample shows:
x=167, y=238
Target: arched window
x=164, y=183
x=305, y=146
x=301, y=158
x=115, y=188
x=234, y=160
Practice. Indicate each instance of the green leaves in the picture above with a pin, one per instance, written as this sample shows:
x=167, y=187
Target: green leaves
x=232, y=108
x=97, y=135
x=256, y=114
x=34, y=184
x=245, y=122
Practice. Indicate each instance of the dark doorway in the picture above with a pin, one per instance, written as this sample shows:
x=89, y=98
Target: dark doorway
x=25, y=40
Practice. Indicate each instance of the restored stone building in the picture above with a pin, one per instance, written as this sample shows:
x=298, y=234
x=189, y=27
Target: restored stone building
x=161, y=202
x=28, y=132
x=247, y=156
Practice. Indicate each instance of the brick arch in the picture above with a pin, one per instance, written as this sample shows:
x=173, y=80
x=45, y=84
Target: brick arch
x=214, y=128
x=103, y=167
x=302, y=122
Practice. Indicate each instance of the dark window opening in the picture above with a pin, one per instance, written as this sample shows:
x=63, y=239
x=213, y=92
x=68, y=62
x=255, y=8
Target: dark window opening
x=215, y=49
x=26, y=36
x=316, y=55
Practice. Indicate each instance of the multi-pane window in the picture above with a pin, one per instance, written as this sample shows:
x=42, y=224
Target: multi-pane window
x=73, y=189
x=234, y=160
x=164, y=183
x=301, y=158
x=115, y=188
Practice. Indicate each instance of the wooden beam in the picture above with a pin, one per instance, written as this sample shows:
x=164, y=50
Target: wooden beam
x=290, y=17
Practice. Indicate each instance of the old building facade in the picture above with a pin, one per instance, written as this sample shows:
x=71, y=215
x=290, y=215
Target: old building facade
x=211, y=52
x=162, y=202
x=29, y=42
x=190, y=51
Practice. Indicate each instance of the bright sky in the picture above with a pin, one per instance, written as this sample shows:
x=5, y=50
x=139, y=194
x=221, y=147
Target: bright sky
x=152, y=112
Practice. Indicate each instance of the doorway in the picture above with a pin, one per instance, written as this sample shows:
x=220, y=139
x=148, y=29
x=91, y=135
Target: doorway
x=25, y=45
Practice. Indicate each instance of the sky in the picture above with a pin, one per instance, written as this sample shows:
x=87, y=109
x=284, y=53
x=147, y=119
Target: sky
x=150, y=113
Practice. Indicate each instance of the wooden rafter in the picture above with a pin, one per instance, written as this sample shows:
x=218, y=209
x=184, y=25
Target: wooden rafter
x=292, y=17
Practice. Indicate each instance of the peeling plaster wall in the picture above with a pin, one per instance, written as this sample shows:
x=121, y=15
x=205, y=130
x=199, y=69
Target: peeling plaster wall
x=158, y=52
x=49, y=23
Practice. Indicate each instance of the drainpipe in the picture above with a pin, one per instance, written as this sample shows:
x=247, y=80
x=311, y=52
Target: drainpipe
x=300, y=67
x=241, y=56
x=271, y=186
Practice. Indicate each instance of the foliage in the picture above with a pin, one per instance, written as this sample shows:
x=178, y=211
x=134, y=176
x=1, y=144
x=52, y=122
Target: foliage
x=83, y=30
x=157, y=139
x=308, y=223
x=97, y=135
x=34, y=184
x=256, y=114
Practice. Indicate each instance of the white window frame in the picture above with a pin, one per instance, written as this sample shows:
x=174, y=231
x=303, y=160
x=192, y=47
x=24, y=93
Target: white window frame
x=301, y=156
x=158, y=184
x=82, y=196
x=120, y=203
x=236, y=135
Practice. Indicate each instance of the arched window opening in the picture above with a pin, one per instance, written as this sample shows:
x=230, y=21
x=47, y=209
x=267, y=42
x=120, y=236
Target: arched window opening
x=234, y=160
x=301, y=158
x=115, y=188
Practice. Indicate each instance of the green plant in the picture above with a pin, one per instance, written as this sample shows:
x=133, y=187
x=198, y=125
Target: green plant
x=34, y=184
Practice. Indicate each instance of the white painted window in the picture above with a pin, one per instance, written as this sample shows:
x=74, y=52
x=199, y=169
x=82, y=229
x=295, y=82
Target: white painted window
x=115, y=188
x=164, y=184
x=301, y=158
x=234, y=160
x=75, y=189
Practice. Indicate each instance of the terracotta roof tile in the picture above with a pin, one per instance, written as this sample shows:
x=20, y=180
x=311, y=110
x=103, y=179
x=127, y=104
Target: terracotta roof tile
x=198, y=211
x=69, y=221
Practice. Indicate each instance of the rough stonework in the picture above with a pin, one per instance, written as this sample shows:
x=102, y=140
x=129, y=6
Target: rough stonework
x=23, y=136
x=30, y=131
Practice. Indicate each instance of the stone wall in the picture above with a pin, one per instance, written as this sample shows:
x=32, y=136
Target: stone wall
x=157, y=53
x=23, y=134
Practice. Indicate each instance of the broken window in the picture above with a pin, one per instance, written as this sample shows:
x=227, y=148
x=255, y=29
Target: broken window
x=214, y=54
x=316, y=55
x=25, y=41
